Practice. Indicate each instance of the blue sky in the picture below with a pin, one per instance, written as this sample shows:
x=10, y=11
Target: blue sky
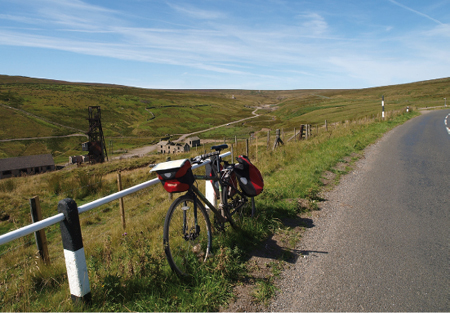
x=272, y=44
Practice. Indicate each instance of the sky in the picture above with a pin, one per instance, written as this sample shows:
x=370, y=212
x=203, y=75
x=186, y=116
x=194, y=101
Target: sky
x=232, y=44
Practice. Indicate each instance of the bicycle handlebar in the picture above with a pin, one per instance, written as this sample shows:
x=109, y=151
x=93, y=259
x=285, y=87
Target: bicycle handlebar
x=200, y=158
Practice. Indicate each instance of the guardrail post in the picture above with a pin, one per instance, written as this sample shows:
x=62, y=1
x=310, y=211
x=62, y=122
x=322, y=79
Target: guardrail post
x=41, y=239
x=76, y=266
x=167, y=160
x=210, y=192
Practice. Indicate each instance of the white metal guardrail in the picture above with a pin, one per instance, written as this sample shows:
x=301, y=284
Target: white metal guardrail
x=29, y=229
x=77, y=272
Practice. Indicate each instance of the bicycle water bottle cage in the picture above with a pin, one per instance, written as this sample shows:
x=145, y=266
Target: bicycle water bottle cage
x=219, y=147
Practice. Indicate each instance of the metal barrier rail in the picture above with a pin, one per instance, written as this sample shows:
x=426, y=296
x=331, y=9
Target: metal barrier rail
x=29, y=229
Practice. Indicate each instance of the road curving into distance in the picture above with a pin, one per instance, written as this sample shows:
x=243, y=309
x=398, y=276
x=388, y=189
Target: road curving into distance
x=382, y=242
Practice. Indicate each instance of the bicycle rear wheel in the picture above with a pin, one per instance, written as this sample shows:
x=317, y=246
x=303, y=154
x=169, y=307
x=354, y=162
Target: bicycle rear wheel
x=234, y=202
x=187, y=235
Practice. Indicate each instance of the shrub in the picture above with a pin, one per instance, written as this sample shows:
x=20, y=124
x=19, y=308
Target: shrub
x=8, y=185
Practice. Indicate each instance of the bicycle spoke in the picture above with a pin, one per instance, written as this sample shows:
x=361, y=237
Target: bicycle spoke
x=187, y=236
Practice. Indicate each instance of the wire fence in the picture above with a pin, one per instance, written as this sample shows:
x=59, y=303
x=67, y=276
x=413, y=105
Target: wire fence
x=137, y=202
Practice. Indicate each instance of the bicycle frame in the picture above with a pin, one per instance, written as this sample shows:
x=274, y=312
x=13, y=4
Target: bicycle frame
x=215, y=167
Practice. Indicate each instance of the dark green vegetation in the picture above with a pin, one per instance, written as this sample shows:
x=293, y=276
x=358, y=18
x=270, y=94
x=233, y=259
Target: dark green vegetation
x=133, y=117
x=127, y=268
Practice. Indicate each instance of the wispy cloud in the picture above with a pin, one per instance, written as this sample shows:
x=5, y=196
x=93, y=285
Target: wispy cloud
x=212, y=41
x=415, y=11
x=197, y=13
x=313, y=23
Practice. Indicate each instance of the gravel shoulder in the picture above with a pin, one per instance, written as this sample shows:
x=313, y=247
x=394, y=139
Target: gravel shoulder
x=378, y=240
x=298, y=282
x=300, y=273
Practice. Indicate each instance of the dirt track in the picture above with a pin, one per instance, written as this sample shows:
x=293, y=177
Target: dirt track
x=147, y=149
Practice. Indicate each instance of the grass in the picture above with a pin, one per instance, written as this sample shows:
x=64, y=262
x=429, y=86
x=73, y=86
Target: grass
x=127, y=268
x=126, y=111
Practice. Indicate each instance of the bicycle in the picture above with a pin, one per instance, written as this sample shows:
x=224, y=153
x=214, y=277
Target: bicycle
x=187, y=233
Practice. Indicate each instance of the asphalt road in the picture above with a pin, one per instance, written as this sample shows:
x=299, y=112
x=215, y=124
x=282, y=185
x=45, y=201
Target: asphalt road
x=382, y=242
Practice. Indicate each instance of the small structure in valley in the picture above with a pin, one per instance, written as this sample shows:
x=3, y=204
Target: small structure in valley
x=172, y=147
x=193, y=141
x=26, y=165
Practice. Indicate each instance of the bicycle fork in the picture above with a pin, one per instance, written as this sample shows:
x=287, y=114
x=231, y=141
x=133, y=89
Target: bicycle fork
x=190, y=234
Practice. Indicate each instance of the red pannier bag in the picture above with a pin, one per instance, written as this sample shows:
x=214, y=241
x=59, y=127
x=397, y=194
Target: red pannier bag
x=175, y=176
x=249, y=177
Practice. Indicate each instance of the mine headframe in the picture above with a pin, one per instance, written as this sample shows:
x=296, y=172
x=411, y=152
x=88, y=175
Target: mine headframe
x=96, y=144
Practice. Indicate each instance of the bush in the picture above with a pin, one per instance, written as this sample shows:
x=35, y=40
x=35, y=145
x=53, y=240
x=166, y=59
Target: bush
x=8, y=185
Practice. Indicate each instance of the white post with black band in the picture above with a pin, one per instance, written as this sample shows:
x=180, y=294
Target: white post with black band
x=76, y=266
x=382, y=105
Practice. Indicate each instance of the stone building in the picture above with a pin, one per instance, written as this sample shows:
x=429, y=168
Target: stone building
x=26, y=165
x=193, y=141
x=172, y=147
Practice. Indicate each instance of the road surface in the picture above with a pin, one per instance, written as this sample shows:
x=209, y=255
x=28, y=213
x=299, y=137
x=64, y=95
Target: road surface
x=382, y=242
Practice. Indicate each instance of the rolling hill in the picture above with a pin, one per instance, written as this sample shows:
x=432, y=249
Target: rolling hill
x=133, y=117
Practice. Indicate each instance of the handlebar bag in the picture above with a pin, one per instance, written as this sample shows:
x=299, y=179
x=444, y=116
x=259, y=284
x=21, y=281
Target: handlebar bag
x=175, y=176
x=249, y=177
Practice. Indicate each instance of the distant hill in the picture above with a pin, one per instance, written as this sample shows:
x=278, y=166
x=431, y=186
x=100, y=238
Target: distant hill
x=143, y=116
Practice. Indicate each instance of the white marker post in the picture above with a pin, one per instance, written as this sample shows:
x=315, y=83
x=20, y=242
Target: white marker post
x=210, y=192
x=77, y=272
x=382, y=106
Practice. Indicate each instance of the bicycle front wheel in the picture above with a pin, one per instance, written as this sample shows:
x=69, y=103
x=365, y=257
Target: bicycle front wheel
x=187, y=235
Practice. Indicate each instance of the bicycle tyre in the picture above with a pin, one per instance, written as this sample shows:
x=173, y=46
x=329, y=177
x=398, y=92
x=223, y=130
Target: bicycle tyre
x=187, y=242
x=234, y=203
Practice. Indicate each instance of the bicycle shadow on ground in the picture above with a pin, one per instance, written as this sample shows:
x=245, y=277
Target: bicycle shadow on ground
x=278, y=246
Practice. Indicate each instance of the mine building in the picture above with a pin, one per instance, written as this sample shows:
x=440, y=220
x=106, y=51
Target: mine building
x=193, y=141
x=172, y=147
x=26, y=165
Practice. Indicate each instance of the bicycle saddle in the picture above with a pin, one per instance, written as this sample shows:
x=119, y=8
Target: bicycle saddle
x=219, y=147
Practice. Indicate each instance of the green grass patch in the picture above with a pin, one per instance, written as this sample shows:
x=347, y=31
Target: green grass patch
x=128, y=270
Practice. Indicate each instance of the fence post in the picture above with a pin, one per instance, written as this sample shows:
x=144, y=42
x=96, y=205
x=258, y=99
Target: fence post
x=41, y=239
x=122, y=209
x=246, y=147
x=232, y=154
x=256, y=147
x=77, y=273
x=326, y=125
x=278, y=140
